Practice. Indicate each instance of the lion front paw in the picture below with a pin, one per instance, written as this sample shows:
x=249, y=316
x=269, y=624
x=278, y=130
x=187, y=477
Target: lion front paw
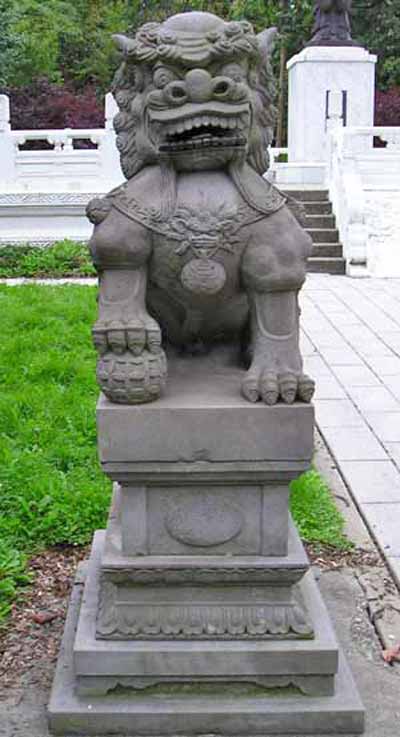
x=270, y=386
x=136, y=335
x=129, y=379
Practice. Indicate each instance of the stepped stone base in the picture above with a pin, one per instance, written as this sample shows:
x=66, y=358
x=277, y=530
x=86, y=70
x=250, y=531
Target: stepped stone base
x=227, y=687
x=200, y=613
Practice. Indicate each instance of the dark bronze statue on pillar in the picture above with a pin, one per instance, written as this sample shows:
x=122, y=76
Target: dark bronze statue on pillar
x=332, y=24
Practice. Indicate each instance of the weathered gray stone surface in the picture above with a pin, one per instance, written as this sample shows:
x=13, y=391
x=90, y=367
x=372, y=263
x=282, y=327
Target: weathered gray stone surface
x=203, y=418
x=202, y=594
x=317, y=656
x=202, y=707
x=197, y=248
x=23, y=712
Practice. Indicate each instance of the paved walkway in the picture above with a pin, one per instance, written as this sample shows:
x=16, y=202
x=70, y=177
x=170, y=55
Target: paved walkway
x=351, y=347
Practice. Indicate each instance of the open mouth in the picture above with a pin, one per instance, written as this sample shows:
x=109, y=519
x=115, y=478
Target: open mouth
x=204, y=131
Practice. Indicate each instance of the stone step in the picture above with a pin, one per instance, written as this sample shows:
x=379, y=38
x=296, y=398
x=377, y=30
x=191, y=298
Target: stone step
x=323, y=235
x=320, y=221
x=308, y=195
x=327, y=252
x=332, y=250
x=326, y=265
x=317, y=208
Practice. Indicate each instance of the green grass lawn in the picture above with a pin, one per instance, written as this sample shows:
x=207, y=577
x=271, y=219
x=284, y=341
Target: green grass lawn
x=52, y=490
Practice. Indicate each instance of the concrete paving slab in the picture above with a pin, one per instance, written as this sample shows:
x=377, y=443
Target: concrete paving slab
x=356, y=376
x=393, y=450
x=306, y=347
x=394, y=565
x=357, y=335
x=354, y=526
x=327, y=387
x=393, y=384
x=383, y=521
x=337, y=413
x=345, y=357
x=371, y=347
x=392, y=340
x=386, y=366
x=343, y=317
x=372, y=481
x=386, y=425
x=326, y=339
x=316, y=367
x=353, y=444
x=376, y=399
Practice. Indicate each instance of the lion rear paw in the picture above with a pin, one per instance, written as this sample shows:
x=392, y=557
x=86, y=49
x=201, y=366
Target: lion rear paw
x=272, y=387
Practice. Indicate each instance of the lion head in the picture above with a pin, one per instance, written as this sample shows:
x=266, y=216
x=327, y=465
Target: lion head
x=196, y=92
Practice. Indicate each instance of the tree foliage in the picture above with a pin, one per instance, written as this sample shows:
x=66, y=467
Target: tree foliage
x=70, y=43
x=66, y=41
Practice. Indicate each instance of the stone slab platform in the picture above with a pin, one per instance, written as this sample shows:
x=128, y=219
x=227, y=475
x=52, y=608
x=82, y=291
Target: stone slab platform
x=118, y=714
x=224, y=712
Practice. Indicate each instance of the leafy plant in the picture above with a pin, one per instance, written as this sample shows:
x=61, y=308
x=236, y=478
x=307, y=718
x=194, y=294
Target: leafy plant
x=46, y=105
x=387, y=107
x=64, y=258
x=314, y=511
x=13, y=575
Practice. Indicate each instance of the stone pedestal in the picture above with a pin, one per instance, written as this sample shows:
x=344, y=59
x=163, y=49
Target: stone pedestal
x=199, y=613
x=328, y=86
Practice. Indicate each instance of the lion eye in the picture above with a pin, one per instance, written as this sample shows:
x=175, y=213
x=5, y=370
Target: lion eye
x=163, y=76
x=234, y=71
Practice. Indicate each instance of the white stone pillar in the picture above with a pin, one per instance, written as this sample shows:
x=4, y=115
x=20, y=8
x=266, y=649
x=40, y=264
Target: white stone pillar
x=7, y=149
x=328, y=86
x=111, y=167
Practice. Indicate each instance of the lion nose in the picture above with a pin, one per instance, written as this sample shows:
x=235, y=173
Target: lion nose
x=199, y=85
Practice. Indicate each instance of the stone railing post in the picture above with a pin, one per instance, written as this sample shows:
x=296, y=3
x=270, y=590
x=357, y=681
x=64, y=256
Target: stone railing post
x=109, y=155
x=347, y=195
x=7, y=149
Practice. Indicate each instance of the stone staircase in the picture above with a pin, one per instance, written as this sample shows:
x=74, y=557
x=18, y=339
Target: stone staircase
x=327, y=253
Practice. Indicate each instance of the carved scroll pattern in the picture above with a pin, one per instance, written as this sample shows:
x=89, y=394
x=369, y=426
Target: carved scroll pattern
x=198, y=621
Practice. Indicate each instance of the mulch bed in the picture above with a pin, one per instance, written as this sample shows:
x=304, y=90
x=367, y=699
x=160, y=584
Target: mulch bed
x=32, y=633
x=34, y=629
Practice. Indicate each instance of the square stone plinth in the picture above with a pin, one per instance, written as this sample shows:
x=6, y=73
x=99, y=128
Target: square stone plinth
x=204, y=418
x=202, y=469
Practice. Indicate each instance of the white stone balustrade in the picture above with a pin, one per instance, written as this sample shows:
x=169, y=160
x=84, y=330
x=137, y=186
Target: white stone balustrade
x=364, y=187
x=44, y=191
x=64, y=168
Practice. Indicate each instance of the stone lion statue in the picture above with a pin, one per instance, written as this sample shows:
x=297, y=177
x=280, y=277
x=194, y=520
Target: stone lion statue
x=196, y=248
x=332, y=23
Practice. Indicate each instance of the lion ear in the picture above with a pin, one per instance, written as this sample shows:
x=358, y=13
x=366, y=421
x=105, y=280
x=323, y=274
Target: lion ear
x=266, y=42
x=123, y=43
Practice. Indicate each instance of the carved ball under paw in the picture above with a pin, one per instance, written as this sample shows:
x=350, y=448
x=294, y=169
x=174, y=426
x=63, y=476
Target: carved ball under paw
x=129, y=379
